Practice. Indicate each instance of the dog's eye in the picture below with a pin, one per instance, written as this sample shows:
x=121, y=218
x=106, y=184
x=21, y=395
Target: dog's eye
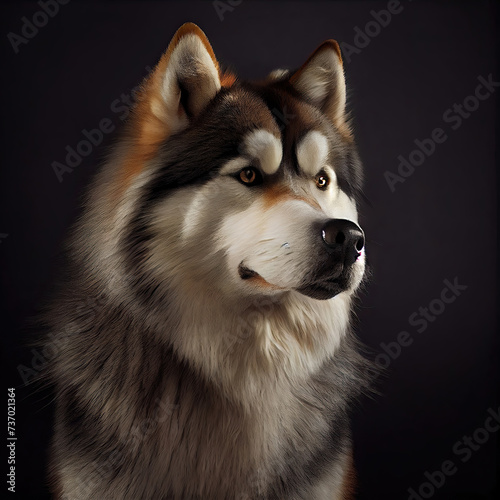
x=322, y=180
x=250, y=176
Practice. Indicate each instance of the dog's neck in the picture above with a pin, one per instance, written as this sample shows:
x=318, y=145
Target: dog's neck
x=282, y=340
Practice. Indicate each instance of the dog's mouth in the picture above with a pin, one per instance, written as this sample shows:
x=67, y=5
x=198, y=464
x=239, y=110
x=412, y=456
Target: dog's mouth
x=328, y=283
x=320, y=289
x=249, y=274
x=246, y=273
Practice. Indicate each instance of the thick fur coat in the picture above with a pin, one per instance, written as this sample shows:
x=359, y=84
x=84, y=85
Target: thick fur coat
x=204, y=317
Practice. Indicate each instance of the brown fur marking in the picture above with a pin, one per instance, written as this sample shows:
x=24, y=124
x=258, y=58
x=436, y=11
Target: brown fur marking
x=260, y=281
x=146, y=131
x=228, y=79
x=278, y=193
x=348, y=488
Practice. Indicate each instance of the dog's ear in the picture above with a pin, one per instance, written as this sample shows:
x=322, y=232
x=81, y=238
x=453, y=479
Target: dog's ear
x=184, y=81
x=321, y=81
x=176, y=91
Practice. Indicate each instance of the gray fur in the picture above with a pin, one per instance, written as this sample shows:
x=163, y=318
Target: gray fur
x=176, y=380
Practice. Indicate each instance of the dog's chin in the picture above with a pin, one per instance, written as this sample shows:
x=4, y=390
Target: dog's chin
x=340, y=278
x=327, y=287
x=324, y=290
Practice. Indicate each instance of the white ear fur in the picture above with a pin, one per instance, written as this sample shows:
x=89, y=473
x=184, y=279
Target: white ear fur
x=189, y=80
x=321, y=80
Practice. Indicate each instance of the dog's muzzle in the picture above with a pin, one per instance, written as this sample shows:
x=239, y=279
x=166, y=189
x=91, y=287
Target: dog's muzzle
x=342, y=242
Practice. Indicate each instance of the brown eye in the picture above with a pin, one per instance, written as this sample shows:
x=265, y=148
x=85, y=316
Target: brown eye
x=250, y=176
x=322, y=180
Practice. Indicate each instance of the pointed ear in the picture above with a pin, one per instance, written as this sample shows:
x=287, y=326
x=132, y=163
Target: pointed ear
x=186, y=78
x=177, y=90
x=321, y=81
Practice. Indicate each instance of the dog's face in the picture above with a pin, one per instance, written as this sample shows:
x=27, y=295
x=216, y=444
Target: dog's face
x=253, y=191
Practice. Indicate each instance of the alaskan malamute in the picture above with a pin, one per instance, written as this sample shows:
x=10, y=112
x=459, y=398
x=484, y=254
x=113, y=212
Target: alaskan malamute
x=204, y=343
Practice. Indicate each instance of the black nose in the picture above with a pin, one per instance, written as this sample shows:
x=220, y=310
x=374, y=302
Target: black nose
x=344, y=236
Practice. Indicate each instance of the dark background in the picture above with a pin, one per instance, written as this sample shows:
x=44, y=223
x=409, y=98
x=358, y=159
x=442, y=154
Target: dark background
x=439, y=224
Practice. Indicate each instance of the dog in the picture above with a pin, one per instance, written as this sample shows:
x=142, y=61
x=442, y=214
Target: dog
x=204, y=316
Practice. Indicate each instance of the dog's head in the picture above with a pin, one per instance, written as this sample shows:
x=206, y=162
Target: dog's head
x=243, y=188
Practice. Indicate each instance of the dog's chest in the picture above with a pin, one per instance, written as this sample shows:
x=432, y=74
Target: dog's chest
x=208, y=448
